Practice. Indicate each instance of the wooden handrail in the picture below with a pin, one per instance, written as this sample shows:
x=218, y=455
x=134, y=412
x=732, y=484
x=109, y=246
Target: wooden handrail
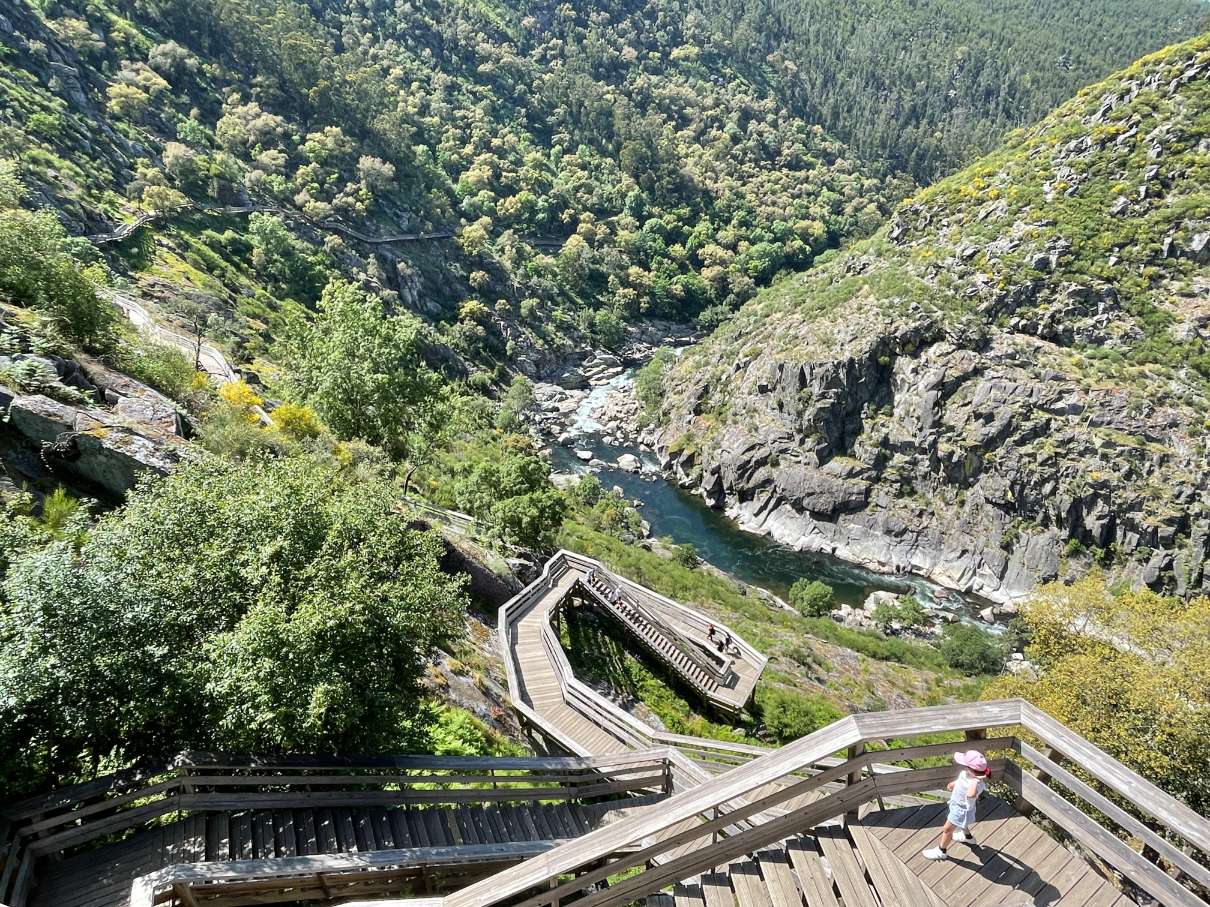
x=577, y=858
x=209, y=782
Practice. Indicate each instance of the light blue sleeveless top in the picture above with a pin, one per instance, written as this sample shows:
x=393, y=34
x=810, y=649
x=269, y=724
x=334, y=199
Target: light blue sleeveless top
x=962, y=810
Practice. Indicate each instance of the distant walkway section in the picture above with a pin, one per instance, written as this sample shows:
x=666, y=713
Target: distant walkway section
x=565, y=714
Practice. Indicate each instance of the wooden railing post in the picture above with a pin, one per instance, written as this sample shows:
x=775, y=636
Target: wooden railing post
x=854, y=777
x=1022, y=805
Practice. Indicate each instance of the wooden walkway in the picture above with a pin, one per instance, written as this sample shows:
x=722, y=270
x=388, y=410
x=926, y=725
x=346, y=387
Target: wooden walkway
x=539, y=684
x=566, y=714
x=876, y=862
x=102, y=876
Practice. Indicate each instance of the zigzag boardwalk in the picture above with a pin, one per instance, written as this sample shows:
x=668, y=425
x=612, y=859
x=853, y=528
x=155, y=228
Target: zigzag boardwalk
x=662, y=820
x=103, y=876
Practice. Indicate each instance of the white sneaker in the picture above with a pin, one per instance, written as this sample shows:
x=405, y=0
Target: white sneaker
x=935, y=853
x=964, y=837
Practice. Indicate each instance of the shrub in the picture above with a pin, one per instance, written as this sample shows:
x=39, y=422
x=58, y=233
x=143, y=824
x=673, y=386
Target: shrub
x=37, y=270
x=971, y=650
x=905, y=612
x=608, y=328
x=239, y=395
x=685, y=555
x=296, y=422
x=163, y=367
x=789, y=715
x=649, y=382
x=587, y=491
x=812, y=598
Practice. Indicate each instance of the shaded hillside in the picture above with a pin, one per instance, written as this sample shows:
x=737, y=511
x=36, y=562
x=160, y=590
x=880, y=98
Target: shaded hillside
x=924, y=87
x=594, y=165
x=1009, y=381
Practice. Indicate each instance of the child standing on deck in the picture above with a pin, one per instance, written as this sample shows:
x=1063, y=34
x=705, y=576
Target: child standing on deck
x=964, y=792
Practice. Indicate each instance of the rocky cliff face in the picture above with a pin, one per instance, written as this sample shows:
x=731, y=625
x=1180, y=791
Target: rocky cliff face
x=79, y=423
x=1009, y=382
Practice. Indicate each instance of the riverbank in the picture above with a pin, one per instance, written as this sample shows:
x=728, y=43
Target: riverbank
x=590, y=420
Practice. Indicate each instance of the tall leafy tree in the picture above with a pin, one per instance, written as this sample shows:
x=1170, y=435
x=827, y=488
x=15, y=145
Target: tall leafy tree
x=362, y=370
x=274, y=604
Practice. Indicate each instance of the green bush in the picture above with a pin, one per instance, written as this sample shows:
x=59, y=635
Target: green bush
x=812, y=598
x=229, y=606
x=686, y=555
x=972, y=651
x=905, y=612
x=163, y=367
x=649, y=382
x=789, y=715
x=37, y=270
x=587, y=491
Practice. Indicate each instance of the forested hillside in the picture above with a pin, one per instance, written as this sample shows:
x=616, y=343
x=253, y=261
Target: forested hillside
x=922, y=87
x=583, y=167
x=1009, y=382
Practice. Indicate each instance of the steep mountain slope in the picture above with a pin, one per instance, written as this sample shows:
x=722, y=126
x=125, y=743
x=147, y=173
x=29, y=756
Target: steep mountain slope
x=1009, y=381
x=580, y=167
x=927, y=85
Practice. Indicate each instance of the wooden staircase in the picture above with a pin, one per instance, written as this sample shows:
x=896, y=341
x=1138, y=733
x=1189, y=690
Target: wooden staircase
x=101, y=877
x=667, y=645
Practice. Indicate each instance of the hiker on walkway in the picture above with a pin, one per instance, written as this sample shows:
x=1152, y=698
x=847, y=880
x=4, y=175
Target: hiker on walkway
x=964, y=792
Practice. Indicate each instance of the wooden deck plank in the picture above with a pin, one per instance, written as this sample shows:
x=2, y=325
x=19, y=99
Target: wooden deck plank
x=812, y=877
x=305, y=828
x=246, y=844
x=382, y=828
x=326, y=839
x=716, y=890
x=399, y=828
x=999, y=871
x=364, y=829
x=496, y=818
x=1084, y=890
x=526, y=815
x=847, y=871
x=749, y=887
x=416, y=827
x=346, y=831
x=997, y=829
x=779, y=880
x=286, y=837
x=688, y=894
x=438, y=834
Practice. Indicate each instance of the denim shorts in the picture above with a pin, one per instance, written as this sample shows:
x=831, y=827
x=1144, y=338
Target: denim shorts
x=963, y=817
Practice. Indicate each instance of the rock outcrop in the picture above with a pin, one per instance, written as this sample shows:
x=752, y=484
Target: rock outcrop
x=84, y=425
x=1006, y=385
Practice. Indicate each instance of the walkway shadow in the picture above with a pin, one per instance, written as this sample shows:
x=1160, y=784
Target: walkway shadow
x=1008, y=872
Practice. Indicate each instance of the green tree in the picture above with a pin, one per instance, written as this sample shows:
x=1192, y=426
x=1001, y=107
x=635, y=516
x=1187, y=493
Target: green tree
x=812, y=597
x=509, y=488
x=1128, y=670
x=362, y=370
x=905, y=612
x=37, y=270
x=649, y=382
x=136, y=644
x=517, y=400
x=971, y=650
x=789, y=715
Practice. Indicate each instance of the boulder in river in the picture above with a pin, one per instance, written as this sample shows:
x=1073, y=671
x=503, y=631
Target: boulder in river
x=629, y=462
x=584, y=455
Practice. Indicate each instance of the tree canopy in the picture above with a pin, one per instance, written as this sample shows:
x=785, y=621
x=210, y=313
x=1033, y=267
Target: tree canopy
x=226, y=606
x=1128, y=670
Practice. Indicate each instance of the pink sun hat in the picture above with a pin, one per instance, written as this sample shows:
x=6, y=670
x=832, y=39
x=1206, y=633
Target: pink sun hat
x=972, y=759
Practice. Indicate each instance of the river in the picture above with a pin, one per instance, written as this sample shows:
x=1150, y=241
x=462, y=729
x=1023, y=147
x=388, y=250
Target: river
x=686, y=519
